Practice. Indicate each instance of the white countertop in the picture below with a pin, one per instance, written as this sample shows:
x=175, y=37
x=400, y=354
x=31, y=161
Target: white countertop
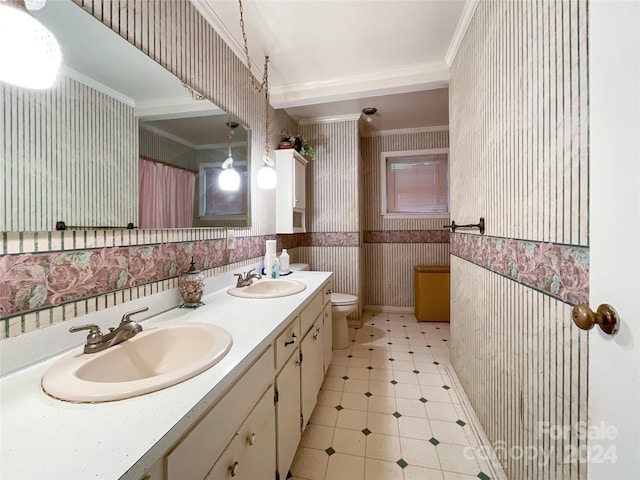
x=44, y=438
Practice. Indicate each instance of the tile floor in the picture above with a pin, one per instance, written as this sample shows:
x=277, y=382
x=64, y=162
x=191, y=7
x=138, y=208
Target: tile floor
x=388, y=410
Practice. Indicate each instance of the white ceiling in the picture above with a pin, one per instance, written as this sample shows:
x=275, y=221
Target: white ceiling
x=334, y=57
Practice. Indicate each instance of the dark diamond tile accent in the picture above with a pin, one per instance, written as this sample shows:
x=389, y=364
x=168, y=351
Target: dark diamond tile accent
x=369, y=394
x=461, y=423
x=393, y=382
x=330, y=451
x=436, y=363
x=371, y=349
x=434, y=441
x=429, y=346
x=345, y=378
x=402, y=463
x=444, y=339
x=407, y=338
x=437, y=328
x=354, y=340
x=388, y=320
x=372, y=335
x=389, y=343
x=366, y=431
x=404, y=325
x=483, y=476
x=422, y=333
x=388, y=330
x=446, y=387
x=401, y=316
x=369, y=367
x=416, y=371
x=356, y=328
x=423, y=400
x=396, y=414
x=339, y=407
x=411, y=352
x=349, y=356
x=392, y=359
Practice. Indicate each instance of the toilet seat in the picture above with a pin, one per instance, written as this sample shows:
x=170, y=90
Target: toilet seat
x=339, y=299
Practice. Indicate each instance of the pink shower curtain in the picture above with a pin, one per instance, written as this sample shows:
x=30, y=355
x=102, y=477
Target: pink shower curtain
x=166, y=195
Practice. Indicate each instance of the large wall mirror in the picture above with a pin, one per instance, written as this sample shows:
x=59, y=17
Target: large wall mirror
x=119, y=140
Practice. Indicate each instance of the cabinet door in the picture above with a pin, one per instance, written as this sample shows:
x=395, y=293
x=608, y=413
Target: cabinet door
x=328, y=336
x=252, y=452
x=312, y=368
x=288, y=412
x=299, y=191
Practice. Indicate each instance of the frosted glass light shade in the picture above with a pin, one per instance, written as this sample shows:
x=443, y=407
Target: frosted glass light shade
x=29, y=53
x=267, y=178
x=229, y=180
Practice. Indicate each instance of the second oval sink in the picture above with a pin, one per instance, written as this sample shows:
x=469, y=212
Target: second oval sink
x=268, y=288
x=152, y=360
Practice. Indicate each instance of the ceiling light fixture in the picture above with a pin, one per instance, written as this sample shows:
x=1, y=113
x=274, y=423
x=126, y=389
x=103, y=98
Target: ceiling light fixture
x=369, y=112
x=266, y=176
x=229, y=178
x=29, y=53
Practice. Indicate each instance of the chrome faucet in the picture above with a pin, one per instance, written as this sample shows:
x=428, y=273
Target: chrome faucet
x=97, y=341
x=247, y=279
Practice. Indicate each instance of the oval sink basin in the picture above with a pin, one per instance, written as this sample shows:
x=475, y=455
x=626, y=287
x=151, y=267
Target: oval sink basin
x=268, y=288
x=152, y=360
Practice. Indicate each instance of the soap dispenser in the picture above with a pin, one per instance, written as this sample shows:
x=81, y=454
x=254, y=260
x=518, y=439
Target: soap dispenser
x=191, y=286
x=284, y=262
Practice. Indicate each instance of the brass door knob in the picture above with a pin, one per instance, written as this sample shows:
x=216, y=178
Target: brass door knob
x=606, y=317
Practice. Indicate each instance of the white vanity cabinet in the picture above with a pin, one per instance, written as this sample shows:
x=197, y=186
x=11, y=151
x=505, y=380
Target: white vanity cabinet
x=252, y=451
x=287, y=395
x=290, y=191
x=200, y=450
x=311, y=369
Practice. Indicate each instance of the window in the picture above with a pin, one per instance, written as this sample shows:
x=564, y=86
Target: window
x=415, y=183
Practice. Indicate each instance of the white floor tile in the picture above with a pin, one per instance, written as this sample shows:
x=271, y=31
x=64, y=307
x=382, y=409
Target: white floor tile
x=383, y=447
x=381, y=470
x=405, y=426
x=310, y=463
x=345, y=467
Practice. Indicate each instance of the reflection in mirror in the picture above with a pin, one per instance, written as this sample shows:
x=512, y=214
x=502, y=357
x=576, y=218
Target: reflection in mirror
x=185, y=156
x=73, y=153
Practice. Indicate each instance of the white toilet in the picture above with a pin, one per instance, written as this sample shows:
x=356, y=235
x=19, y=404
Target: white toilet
x=342, y=304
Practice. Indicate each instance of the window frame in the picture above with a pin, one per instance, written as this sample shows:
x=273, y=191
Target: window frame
x=383, y=182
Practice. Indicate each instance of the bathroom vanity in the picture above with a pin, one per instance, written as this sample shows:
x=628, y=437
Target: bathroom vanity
x=241, y=418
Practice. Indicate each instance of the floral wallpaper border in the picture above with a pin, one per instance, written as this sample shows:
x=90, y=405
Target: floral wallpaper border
x=406, y=236
x=34, y=281
x=561, y=271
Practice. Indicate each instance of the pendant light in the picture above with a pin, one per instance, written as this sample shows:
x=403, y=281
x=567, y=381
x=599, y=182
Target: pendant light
x=266, y=176
x=229, y=178
x=29, y=53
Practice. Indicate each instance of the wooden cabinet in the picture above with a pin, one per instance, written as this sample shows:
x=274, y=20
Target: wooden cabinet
x=328, y=336
x=290, y=192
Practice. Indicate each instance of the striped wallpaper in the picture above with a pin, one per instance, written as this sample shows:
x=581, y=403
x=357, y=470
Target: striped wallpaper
x=394, y=246
x=518, y=110
x=335, y=201
x=57, y=163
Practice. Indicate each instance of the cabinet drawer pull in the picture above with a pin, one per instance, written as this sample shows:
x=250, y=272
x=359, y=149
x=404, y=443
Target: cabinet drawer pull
x=292, y=341
x=251, y=439
x=233, y=469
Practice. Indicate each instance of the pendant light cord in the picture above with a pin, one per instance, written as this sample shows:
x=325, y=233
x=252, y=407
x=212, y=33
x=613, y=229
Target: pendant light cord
x=258, y=87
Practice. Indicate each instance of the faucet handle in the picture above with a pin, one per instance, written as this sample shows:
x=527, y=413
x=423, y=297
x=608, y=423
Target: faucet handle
x=127, y=316
x=95, y=335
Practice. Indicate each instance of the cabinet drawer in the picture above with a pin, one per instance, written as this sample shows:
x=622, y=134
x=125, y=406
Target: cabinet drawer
x=287, y=342
x=252, y=452
x=311, y=312
x=196, y=453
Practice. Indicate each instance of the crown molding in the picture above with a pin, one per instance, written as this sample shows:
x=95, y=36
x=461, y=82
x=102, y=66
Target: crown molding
x=461, y=29
x=331, y=119
x=401, y=131
x=100, y=87
x=379, y=82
